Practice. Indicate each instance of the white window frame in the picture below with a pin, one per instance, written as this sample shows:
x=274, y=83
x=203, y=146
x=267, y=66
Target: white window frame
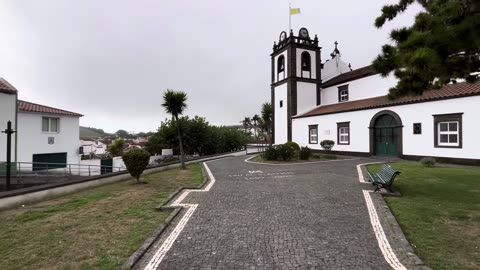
x=343, y=95
x=50, y=124
x=313, y=136
x=344, y=132
x=448, y=133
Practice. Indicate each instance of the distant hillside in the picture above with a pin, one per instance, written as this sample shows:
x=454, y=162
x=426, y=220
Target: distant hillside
x=89, y=132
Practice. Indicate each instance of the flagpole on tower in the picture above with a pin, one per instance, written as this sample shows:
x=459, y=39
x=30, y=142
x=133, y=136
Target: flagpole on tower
x=289, y=16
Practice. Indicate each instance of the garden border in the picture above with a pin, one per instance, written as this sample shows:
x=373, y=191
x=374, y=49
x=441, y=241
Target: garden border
x=296, y=163
x=147, y=244
x=395, y=247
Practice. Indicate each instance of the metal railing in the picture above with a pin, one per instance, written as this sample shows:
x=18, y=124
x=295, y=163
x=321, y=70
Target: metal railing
x=255, y=148
x=22, y=169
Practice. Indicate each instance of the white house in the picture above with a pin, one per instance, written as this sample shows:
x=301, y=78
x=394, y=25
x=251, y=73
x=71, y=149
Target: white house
x=8, y=107
x=44, y=134
x=92, y=146
x=352, y=109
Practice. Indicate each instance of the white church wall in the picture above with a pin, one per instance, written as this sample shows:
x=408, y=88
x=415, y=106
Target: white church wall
x=281, y=114
x=334, y=67
x=306, y=97
x=417, y=145
x=362, y=88
x=283, y=75
x=305, y=74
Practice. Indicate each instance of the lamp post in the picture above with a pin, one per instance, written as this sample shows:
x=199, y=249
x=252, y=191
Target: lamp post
x=9, y=131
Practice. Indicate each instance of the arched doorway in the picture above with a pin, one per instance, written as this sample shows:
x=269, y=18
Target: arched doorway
x=386, y=134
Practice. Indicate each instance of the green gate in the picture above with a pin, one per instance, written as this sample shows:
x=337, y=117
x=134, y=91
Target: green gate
x=49, y=161
x=386, y=136
x=106, y=166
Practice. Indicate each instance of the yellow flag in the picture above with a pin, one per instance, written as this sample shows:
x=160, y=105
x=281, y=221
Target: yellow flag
x=294, y=11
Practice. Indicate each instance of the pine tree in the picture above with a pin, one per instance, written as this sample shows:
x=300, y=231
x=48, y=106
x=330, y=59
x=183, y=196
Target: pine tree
x=441, y=46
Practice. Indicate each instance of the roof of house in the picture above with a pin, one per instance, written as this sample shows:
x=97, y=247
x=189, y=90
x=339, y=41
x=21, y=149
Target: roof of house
x=446, y=92
x=32, y=107
x=350, y=76
x=6, y=87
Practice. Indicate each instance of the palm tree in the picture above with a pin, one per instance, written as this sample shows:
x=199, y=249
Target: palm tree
x=255, y=119
x=247, y=122
x=174, y=103
x=267, y=116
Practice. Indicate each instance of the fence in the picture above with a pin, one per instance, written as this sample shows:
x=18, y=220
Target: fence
x=24, y=169
x=255, y=148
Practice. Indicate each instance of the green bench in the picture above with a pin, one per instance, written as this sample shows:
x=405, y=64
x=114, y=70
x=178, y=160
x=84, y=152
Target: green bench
x=384, y=178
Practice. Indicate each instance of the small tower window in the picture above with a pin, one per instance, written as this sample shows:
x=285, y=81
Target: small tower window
x=281, y=68
x=306, y=61
x=281, y=64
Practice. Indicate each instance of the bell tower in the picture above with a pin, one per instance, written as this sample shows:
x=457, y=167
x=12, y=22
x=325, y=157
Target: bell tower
x=296, y=80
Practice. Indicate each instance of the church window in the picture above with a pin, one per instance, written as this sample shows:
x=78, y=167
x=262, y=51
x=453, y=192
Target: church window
x=448, y=130
x=306, y=61
x=313, y=134
x=281, y=103
x=343, y=131
x=343, y=93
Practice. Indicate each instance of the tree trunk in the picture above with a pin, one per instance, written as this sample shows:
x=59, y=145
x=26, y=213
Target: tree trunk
x=180, y=142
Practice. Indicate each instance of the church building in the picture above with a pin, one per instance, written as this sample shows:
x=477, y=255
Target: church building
x=314, y=101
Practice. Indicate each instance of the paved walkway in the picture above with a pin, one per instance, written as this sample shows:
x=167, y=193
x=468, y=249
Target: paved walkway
x=309, y=216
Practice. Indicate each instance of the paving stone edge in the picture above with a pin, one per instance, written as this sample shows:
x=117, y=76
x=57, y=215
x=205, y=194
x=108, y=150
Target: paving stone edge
x=137, y=255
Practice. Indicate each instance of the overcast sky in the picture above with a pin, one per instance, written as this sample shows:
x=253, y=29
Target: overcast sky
x=111, y=60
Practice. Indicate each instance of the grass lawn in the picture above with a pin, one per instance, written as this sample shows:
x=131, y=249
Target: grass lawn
x=97, y=228
x=439, y=212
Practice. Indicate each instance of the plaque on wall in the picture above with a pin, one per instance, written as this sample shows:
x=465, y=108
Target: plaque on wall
x=51, y=140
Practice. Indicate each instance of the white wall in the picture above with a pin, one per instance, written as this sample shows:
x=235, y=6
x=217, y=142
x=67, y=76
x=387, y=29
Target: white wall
x=418, y=145
x=333, y=68
x=31, y=139
x=281, y=114
x=312, y=62
x=366, y=87
x=306, y=97
x=279, y=77
x=7, y=113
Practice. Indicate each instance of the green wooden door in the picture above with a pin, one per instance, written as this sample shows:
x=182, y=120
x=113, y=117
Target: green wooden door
x=49, y=161
x=386, y=136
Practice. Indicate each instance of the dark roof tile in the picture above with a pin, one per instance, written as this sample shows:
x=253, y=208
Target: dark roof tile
x=446, y=92
x=32, y=107
x=6, y=87
x=350, y=76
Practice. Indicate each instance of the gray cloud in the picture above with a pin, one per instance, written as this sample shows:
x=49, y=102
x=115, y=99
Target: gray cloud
x=111, y=60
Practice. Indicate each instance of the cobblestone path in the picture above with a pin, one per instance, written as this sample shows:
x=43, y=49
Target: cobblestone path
x=309, y=216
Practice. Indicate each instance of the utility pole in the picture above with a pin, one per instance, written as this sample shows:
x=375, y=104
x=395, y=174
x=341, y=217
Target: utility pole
x=9, y=131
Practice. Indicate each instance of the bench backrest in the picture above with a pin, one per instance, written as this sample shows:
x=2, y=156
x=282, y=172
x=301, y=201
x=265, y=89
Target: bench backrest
x=388, y=173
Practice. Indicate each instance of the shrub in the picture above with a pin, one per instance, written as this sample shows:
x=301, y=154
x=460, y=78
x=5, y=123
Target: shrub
x=286, y=152
x=294, y=145
x=327, y=144
x=428, y=161
x=136, y=161
x=305, y=153
x=271, y=153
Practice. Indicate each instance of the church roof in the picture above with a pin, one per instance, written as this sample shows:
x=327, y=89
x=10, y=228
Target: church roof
x=350, y=76
x=32, y=107
x=448, y=91
x=6, y=87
